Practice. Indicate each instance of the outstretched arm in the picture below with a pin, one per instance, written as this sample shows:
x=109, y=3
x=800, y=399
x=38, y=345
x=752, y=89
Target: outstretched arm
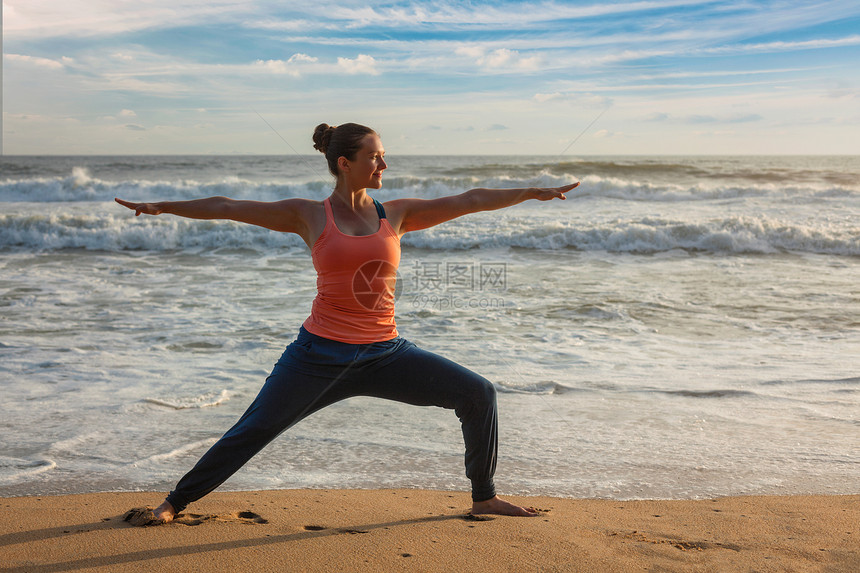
x=416, y=214
x=289, y=215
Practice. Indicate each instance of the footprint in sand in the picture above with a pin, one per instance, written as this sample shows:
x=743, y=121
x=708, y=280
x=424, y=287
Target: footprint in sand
x=248, y=517
x=143, y=517
x=251, y=517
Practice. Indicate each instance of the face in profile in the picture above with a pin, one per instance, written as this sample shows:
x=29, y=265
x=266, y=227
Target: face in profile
x=365, y=171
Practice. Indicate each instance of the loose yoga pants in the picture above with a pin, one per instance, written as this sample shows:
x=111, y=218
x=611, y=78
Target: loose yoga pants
x=315, y=372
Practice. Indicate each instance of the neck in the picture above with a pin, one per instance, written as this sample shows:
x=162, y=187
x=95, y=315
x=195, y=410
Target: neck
x=352, y=198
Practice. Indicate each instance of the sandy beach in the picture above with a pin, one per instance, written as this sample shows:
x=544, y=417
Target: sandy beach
x=419, y=530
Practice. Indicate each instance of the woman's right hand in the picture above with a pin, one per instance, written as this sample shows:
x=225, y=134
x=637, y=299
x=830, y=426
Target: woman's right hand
x=138, y=208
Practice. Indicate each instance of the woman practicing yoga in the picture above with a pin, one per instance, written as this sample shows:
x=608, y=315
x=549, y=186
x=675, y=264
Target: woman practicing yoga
x=349, y=345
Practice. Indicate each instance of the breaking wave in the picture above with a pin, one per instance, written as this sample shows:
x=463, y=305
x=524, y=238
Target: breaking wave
x=736, y=234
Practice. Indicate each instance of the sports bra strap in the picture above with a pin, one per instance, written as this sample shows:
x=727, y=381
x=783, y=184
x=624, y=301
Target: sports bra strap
x=380, y=210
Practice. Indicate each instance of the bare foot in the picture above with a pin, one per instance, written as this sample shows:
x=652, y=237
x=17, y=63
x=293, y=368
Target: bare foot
x=164, y=512
x=144, y=516
x=498, y=506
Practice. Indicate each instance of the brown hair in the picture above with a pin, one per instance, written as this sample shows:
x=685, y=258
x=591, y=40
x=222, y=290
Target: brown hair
x=336, y=141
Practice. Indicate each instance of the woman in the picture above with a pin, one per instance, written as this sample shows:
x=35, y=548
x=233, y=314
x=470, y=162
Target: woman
x=349, y=345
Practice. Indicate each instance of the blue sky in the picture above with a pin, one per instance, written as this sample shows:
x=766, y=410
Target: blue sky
x=440, y=77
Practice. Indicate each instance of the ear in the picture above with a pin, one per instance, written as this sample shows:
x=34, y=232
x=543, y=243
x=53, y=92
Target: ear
x=343, y=164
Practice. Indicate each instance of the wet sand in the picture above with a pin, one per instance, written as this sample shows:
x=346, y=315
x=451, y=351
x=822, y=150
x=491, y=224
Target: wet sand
x=418, y=530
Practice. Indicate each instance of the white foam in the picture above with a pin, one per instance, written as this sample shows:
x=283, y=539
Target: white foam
x=176, y=453
x=760, y=235
x=208, y=400
x=733, y=234
x=634, y=182
x=80, y=186
x=16, y=470
x=622, y=363
x=73, y=445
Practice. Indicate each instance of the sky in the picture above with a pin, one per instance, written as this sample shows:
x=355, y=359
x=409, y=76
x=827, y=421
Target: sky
x=440, y=77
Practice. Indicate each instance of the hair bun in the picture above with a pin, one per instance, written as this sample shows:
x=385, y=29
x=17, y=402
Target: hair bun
x=322, y=136
x=336, y=141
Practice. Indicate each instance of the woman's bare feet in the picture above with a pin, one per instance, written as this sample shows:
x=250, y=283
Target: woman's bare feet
x=164, y=512
x=143, y=516
x=498, y=506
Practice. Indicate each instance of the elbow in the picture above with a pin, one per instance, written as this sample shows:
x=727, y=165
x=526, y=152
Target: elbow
x=475, y=200
x=223, y=207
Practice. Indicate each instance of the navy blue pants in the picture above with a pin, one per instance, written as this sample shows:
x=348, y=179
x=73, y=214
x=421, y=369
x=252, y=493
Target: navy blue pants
x=315, y=372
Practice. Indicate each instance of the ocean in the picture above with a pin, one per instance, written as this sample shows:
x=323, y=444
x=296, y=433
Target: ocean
x=679, y=327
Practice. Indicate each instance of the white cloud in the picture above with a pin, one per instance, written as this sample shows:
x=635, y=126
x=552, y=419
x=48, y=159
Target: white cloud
x=624, y=56
x=299, y=64
x=576, y=98
x=296, y=58
x=510, y=15
x=291, y=25
x=699, y=118
x=279, y=67
x=34, y=61
x=363, y=64
x=473, y=52
x=50, y=18
x=302, y=63
x=658, y=116
x=631, y=88
x=786, y=46
x=671, y=65
x=542, y=98
x=499, y=59
x=712, y=73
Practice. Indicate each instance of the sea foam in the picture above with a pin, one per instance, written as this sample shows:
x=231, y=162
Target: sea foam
x=15, y=470
x=733, y=234
x=208, y=400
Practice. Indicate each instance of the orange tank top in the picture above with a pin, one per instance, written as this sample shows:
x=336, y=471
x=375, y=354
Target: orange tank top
x=356, y=278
